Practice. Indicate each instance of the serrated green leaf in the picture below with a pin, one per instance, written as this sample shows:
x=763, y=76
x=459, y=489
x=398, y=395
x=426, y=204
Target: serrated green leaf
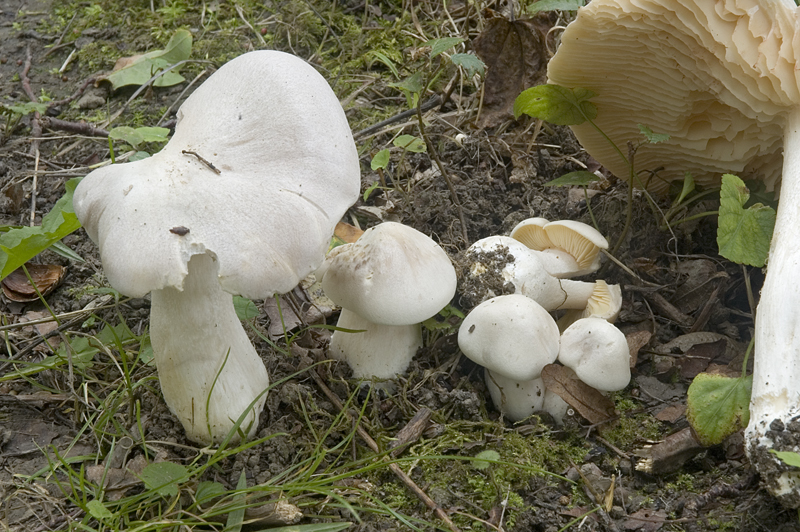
x=555, y=5
x=743, y=235
x=410, y=143
x=580, y=178
x=471, y=63
x=718, y=406
x=480, y=463
x=652, y=138
x=99, y=510
x=147, y=65
x=18, y=246
x=438, y=46
x=787, y=457
x=245, y=309
x=556, y=104
x=381, y=159
x=163, y=477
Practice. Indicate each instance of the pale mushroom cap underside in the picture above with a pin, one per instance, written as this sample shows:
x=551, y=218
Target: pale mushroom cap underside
x=288, y=169
x=717, y=76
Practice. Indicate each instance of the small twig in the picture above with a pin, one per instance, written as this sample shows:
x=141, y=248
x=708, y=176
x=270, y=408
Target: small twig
x=36, y=131
x=430, y=104
x=57, y=44
x=205, y=162
x=75, y=95
x=430, y=503
x=79, y=128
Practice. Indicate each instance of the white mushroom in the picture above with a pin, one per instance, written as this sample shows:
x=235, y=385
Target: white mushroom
x=511, y=335
x=720, y=78
x=605, y=302
x=522, y=268
x=243, y=199
x=388, y=281
x=517, y=400
x=567, y=248
x=598, y=354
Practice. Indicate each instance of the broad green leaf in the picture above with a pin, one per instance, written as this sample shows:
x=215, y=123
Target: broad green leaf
x=743, y=235
x=145, y=66
x=245, y=309
x=718, y=406
x=470, y=63
x=556, y=5
x=580, y=178
x=18, y=246
x=480, y=463
x=652, y=138
x=163, y=477
x=139, y=135
x=99, y=510
x=381, y=159
x=23, y=108
x=438, y=46
x=787, y=457
x=410, y=143
x=412, y=84
x=556, y=104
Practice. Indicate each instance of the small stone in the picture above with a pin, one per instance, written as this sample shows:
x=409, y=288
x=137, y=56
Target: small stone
x=777, y=425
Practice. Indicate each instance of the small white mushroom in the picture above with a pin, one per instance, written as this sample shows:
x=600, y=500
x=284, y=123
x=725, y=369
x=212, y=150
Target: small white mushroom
x=567, y=248
x=605, y=303
x=515, y=399
x=510, y=335
x=393, y=277
x=242, y=200
x=598, y=354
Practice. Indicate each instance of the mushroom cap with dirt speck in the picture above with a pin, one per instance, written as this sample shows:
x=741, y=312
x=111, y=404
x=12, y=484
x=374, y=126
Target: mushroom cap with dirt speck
x=392, y=275
x=510, y=335
x=288, y=170
x=716, y=76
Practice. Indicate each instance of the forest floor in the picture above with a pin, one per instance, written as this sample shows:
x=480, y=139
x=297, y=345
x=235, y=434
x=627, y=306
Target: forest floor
x=81, y=413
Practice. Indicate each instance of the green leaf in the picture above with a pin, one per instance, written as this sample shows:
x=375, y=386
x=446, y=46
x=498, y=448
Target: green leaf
x=555, y=5
x=208, y=490
x=480, y=463
x=410, y=143
x=18, y=246
x=146, y=66
x=412, y=84
x=787, y=457
x=99, y=510
x=743, y=235
x=163, y=477
x=384, y=59
x=718, y=406
x=139, y=135
x=581, y=178
x=652, y=138
x=23, y=108
x=236, y=517
x=366, y=195
x=556, y=104
x=686, y=189
x=470, y=63
x=245, y=309
x=381, y=159
x=439, y=46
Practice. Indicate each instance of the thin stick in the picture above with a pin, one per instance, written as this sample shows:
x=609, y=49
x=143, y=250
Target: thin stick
x=430, y=503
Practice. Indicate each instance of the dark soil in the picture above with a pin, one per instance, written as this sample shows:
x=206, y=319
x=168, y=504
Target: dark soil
x=675, y=284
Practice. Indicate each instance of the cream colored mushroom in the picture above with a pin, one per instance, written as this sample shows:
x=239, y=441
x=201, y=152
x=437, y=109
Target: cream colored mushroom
x=568, y=248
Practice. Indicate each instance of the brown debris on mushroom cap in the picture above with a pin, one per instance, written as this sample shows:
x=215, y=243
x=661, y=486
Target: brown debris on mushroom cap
x=716, y=76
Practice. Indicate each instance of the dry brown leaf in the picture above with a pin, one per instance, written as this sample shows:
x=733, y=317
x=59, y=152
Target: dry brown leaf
x=47, y=277
x=516, y=59
x=588, y=402
x=636, y=341
x=346, y=232
x=645, y=520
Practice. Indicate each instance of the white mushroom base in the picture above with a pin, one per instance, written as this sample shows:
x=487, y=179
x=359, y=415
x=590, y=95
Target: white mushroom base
x=209, y=371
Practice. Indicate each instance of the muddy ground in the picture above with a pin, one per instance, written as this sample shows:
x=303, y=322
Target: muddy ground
x=675, y=286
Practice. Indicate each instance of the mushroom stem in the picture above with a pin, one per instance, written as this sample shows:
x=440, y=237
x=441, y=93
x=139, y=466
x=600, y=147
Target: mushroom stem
x=208, y=369
x=776, y=370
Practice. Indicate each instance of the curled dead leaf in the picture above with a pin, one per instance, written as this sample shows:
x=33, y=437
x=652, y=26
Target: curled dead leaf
x=589, y=403
x=47, y=277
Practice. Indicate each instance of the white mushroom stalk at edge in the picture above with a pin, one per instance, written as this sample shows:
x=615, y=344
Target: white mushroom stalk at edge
x=720, y=78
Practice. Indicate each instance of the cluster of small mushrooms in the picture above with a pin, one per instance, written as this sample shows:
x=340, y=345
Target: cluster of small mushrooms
x=512, y=333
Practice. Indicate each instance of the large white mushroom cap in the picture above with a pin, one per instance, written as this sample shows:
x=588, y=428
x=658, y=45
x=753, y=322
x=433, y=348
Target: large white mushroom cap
x=288, y=170
x=717, y=76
